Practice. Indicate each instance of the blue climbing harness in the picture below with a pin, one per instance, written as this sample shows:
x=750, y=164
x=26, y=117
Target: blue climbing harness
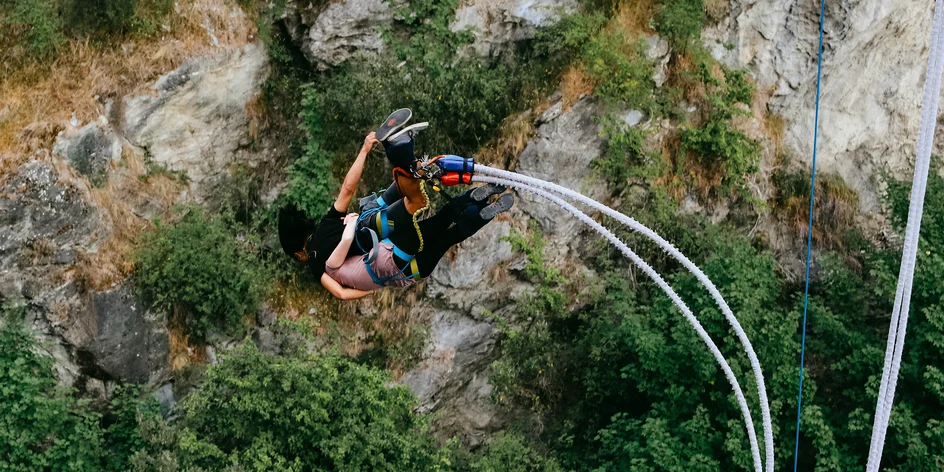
x=375, y=207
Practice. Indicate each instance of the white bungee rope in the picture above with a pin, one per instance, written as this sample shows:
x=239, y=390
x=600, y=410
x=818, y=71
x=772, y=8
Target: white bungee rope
x=899, y=319
x=766, y=421
x=686, y=312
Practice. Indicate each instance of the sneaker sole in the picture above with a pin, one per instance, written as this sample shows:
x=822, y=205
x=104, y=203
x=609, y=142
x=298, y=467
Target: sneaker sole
x=502, y=205
x=485, y=191
x=415, y=127
x=393, y=123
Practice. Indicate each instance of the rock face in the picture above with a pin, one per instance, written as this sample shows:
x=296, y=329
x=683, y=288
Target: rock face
x=128, y=343
x=91, y=150
x=452, y=379
x=496, y=23
x=197, y=119
x=561, y=152
x=332, y=35
x=873, y=77
x=45, y=222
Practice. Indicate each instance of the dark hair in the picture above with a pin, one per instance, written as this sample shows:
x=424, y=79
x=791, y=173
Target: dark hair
x=295, y=230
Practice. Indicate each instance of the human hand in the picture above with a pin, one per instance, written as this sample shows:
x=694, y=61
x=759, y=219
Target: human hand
x=350, y=218
x=369, y=141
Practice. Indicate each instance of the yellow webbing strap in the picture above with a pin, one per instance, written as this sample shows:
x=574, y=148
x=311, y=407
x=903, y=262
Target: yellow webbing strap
x=416, y=224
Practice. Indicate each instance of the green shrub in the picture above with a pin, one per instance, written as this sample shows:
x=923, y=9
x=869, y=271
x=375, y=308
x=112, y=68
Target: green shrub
x=33, y=26
x=621, y=70
x=565, y=40
x=510, y=453
x=197, y=266
x=128, y=409
x=259, y=412
x=680, y=21
x=104, y=18
x=625, y=156
x=722, y=150
x=42, y=427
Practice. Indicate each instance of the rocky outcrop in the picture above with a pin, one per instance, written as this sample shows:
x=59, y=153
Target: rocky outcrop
x=331, y=35
x=197, y=120
x=45, y=223
x=127, y=342
x=91, y=149
x=496, y=23
x=564, y=145
x=482, y=276
x=873, y=77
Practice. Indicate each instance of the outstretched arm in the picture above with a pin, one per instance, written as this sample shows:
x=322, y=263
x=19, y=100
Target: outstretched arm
x=341, y=292
x=349, y=186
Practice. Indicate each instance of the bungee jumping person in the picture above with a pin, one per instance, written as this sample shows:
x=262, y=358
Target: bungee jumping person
x=354, y=255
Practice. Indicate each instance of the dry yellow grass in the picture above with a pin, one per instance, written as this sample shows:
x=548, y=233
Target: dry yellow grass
x=182, y=353
x=515, y=132
x=717, y=10
x=632, y=18
x=85, y=75
x=575, y=83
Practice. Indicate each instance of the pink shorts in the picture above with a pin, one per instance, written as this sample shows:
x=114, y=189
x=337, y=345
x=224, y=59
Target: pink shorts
x=353, y=272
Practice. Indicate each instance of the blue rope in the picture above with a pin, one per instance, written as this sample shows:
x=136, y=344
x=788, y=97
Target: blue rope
x=809, y=233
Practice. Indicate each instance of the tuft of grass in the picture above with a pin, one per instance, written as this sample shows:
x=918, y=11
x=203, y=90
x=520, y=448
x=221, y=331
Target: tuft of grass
x=835, y=207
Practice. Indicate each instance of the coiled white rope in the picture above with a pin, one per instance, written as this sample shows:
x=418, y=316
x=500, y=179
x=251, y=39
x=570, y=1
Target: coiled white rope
x=899, y=322
x=688, y=264
x=686, y=312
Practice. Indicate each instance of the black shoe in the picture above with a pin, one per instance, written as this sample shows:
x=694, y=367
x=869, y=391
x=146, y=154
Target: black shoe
x=482, y=193
x=393, y=122
x=504, y=203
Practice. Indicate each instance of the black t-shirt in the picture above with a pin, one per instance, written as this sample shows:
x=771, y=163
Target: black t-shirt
x=327, y=237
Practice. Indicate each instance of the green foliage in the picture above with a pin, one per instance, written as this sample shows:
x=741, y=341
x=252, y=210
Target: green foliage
x=724, y=152
x=311, y=185
x=621, y=70
x=680, y=21
x=42, y=427
x=633, y=388
x=180, y=266
x=33, y=26
x=616, y=63
x=260, y=412
x=510, y=453
x=129, y=408
x=114, y=18
x=625, y=156
x=565, y=40
x=523, y=374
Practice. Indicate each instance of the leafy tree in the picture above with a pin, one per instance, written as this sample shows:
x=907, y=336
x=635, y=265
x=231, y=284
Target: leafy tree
x=510, y=453
x=260, y=412
x=42, y=427
x=197, y=266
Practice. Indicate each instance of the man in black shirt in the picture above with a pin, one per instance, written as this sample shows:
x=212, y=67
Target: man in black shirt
x=327, y=232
